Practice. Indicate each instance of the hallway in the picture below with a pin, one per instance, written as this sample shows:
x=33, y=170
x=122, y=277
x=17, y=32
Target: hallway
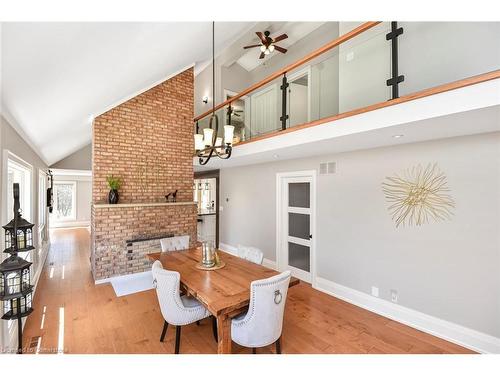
x=73, y=315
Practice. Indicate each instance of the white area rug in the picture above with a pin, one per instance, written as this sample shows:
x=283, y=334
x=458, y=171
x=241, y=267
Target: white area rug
x=134, y=283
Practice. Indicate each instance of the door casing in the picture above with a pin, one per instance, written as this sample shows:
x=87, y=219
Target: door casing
x=281, y=261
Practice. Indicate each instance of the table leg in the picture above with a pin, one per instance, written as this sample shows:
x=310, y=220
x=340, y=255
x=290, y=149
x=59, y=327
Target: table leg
x=224, y=333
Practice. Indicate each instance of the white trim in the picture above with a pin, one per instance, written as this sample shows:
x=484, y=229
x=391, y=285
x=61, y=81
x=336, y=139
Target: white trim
x=233, y=250
x=230, y=249
x=446, y=330
x=71, y=172
x=269, y=263
x=70, y=224
x=139, y=92
x=280, y=264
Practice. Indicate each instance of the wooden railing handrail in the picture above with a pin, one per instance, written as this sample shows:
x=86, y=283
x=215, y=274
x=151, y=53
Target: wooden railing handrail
x=334, y=43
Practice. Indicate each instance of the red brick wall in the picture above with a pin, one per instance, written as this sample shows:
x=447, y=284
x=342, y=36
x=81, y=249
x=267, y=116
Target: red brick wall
x=113, y=226
x=147, y=142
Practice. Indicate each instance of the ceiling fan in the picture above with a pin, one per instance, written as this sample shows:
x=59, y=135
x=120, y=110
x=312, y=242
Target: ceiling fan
x=267, y=44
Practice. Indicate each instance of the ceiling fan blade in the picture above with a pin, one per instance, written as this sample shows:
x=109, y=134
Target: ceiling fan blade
x=262, y=54
x=280, y=49
x=281, y=37
x=261, y=37
x=252, y=46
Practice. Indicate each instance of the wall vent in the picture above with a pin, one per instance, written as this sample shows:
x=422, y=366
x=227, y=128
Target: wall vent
x=323, y=168
x=328, y=168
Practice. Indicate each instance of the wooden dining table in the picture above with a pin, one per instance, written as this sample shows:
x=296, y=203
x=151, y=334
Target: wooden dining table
x=224, y=292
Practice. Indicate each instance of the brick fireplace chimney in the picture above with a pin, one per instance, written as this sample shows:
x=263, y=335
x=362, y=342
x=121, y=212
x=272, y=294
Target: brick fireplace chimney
x=147, y=141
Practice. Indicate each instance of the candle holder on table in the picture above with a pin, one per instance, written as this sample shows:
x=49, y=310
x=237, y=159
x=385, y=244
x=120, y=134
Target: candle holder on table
x=210, y=260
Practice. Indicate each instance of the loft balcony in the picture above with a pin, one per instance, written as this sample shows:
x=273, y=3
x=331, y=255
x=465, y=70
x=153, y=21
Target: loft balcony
x=362, y=89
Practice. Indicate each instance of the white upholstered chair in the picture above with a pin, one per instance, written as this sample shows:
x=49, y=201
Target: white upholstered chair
x=262, y=324
x=250, y=253
x=174, y=243
x=177, y=310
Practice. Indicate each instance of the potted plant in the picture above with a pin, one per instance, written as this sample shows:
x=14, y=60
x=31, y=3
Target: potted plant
x=114, y=184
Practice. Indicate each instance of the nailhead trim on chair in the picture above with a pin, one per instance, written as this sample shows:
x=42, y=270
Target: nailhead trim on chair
x=249, y=316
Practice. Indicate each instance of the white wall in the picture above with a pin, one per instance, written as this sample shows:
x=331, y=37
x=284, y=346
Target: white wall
x=448, y=270
x=80, y=160
x=83, y=198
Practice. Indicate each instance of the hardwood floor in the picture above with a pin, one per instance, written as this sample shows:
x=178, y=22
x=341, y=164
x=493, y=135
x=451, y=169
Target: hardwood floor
x=74, y=314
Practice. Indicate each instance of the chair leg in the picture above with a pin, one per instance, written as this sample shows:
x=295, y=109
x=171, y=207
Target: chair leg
x=177, y=339
x=254, y=350
x=214, y=329
x=164, y=332
x=278, y=346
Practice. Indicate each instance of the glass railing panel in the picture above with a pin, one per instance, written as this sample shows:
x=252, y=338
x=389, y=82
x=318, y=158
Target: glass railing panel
x=364, y=67
x=436, y=53
x=354, y=74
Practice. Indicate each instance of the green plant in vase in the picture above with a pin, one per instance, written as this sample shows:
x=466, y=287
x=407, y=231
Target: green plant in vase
x=114, y=184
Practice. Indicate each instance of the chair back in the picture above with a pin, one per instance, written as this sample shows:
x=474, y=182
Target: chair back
x=251, y=254
x=263, y=323
x=167, y=284
x=174, y=243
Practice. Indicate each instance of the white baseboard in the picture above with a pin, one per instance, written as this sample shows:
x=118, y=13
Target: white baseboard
x=70, y=224
x=269, y=263
x=44, y=253
x=233, y=250
x=452, y=332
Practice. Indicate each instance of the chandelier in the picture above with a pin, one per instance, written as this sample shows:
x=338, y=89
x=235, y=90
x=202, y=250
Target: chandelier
x=209, y=143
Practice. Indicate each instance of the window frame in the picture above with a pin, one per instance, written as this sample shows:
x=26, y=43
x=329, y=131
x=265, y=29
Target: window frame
x=28, y=195
x=42, y=197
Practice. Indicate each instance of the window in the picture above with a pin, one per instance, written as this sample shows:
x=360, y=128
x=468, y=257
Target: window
x=19, y=172
x=64, y=200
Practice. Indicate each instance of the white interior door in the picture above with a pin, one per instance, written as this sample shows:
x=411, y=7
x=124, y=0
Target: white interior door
x=264, y=111
x=296, y=220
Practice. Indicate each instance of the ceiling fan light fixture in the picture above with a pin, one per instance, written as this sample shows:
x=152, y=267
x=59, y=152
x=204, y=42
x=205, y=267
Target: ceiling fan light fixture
x=263, y=48
x=267, y=52
x=271, y=48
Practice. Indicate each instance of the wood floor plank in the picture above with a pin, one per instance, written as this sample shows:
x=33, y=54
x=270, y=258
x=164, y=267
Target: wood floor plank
x=97, y=321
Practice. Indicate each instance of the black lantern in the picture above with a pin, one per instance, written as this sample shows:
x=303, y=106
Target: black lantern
x=15, y=279
x=22, y=233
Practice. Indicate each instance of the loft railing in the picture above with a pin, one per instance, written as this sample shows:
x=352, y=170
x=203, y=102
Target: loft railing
x=359, y=71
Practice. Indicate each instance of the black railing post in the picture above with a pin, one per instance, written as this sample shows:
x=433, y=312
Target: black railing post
x=229, y=113
x=396, y=79
x=197, y=128
x=284, y=116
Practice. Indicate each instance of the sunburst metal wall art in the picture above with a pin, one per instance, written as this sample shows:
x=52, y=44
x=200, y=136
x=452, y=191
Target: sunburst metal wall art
x=419, y=195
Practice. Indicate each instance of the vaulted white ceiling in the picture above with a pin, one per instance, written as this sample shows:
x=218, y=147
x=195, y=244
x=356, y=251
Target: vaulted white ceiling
x=57, y=76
